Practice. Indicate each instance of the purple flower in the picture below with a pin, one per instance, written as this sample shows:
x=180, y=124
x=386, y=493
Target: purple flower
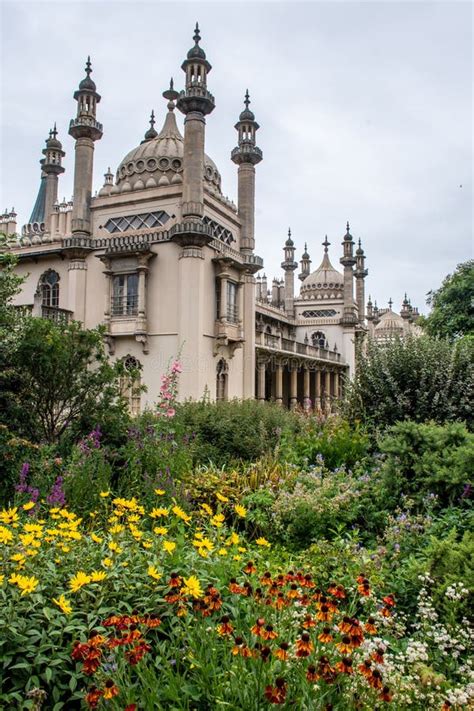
x=56, y=496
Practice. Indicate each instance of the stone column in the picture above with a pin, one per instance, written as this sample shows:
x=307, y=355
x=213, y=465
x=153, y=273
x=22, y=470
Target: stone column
x=293, y=388
x=246, y=202
x=327, y=387
x=317, y=403
x=77, y=286
x=261, y=381
x=248, y=355
x=279, y=384
x=306, y=390
x=193, y=166
x=223, y=297
x=141, y=325
x=83, y=169
x=336, y=385
x=190, y=321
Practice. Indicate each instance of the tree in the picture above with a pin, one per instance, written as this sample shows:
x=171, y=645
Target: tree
x=452, y=314
x=63, y=382
x=418, y=378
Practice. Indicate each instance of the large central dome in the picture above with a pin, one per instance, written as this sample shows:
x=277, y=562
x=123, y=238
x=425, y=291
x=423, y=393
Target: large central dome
x=158, y=160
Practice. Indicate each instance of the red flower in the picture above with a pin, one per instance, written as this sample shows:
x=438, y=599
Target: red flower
x=258, y=627
x=276, y=694
x=389, y=600
x=80, y=651
x=174, y=581
x=225, y=627
x=375, y=679
x=93, y=697
x=268, y=632
x=250, y=568
x=311, y=673
x=304, y=646
x=345, y=666
x=130, y=707
x=282, y=652
x=386, y=695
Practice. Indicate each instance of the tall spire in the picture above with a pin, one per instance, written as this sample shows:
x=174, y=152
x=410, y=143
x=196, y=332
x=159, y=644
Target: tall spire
x=305, y=264
x=151, y=132
x=326, y=244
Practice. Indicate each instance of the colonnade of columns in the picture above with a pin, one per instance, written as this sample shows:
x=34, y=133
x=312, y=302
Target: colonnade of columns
x=292, y=383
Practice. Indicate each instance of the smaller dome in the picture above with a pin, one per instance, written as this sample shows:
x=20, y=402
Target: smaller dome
x=196, y=52
x=324, y=277
x=87, y=84
x=390, y=321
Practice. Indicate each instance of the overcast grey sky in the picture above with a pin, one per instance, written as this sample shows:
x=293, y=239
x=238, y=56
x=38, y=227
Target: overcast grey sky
x=365, y=112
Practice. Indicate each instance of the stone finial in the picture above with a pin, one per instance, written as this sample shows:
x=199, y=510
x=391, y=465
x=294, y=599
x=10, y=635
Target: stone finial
x=326, y=244
x=151, y=133
x=171, y=94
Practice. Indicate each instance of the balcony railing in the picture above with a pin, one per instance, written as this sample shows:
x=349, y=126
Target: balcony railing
x=271, y=341
x=54, y=313
x=124, y=305
x=305, y=349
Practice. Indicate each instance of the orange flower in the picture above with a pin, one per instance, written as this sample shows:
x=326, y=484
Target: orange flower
x=377, y=656
x=265, y=653
x=304, y=646
x=308, y=622
x=345, y=666
x=375, y=679
x=389, y=600
x=151, y=621
x=345, y=646
x=282, y=652
x=93, y=697
x=370, y=627
x=345, y=624
x=386, y=612
x=266, y=578
x=280, y=601
x=258, y=627
x=325, y=636
x=225, y=627
x=293, y=593
x=276, y=694
x=366, y=668
x=174, y=581
x=307, y=581
x=324, y=614
x=280, y=580
x=386, y=695
x=110, y=690
x=268, y=632
x=363, y=586
x=325, y=670
x=234, y=587
x=311, y=673
x=241, y=648
x=250, y=568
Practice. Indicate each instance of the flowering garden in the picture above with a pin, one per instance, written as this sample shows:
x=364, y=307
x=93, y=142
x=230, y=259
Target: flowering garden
x=140, y=577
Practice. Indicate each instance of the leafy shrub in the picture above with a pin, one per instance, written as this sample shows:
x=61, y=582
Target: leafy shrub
x=427, y=459
x=417, y=378
x=333, y=442
x=225, y=432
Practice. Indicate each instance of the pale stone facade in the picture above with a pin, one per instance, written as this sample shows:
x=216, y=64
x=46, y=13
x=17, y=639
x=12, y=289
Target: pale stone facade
x=167, y=264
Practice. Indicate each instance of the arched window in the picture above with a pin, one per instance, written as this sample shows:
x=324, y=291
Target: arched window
x=49, y=288
x=318, y=338
x=222, y=373
x=130, y=383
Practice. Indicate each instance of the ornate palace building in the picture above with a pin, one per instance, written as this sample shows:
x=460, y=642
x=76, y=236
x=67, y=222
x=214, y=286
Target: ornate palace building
x=168, y=265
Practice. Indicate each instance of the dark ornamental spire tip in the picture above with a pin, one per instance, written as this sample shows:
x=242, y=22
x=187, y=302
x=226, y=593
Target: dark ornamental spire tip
x=326, y=243
x=171, y=94
x=152, y=132
x=87, y=84
x=196, y=52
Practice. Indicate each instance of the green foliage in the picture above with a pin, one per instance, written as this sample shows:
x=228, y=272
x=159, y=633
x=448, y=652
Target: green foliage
x=427, y=459
x=334, y=442
x=225, y=432
x=452, y=313
x=417, y=378
x=64, y=383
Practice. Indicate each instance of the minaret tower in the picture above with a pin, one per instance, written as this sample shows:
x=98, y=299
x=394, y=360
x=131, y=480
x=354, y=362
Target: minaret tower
x=348, y=260
x=305, y=264
x=195, y=103
x=85, y=129
x=247, y=155
x=360, y=274
x=289, y=265
x=52, y=168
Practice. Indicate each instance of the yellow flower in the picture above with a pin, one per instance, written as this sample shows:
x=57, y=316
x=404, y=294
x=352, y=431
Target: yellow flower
x=192, y=587
x=147, y=544
x=207, y=509
x=104, y=494
x=160, y=492
x=158, y=512
x=118, y=528
x=203, y=543
x=63, y=604
x=153, y=572
x=18, y=558
x=97, y=576
x=14, y=578
x=262, y=542
x=95, y=538
x=114, y=547
x=33, y=528
x=2, y=578
x=26, y=585
x=237, y=557
x=233, y=539
x=79, y=580
x=160, y=530
x=169, y=546
x=65, y=549
x=240, y=510
x=134, y=518
x=218, y=520
x=178, y=511
x=107, y=562
x=221, y=497
x=28, y=506
x=222, y=551
x=241, y=549
x=6, y=536
x=9, y=515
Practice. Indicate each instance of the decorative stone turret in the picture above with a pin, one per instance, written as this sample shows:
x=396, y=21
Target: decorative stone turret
x=152, y=132
x=195, y=102
x=305, y=264
x=52, y=168
x=8, y=222
x=405, y=311
x=85, y=129
x=289, y=265
x=108, y=183
x=247, y=155
x=348, y=260
x=360, y=274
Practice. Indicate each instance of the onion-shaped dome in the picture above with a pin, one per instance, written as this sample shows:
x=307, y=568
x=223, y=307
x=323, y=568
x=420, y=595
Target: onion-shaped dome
x=87, y=84
x=196, y=51
x=158, y=161
x=390, y=324
x=324, y=282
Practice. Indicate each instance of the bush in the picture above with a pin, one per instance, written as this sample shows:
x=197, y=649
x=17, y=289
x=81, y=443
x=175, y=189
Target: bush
x=427, y=459
x=225, y=432
x=417, y=378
